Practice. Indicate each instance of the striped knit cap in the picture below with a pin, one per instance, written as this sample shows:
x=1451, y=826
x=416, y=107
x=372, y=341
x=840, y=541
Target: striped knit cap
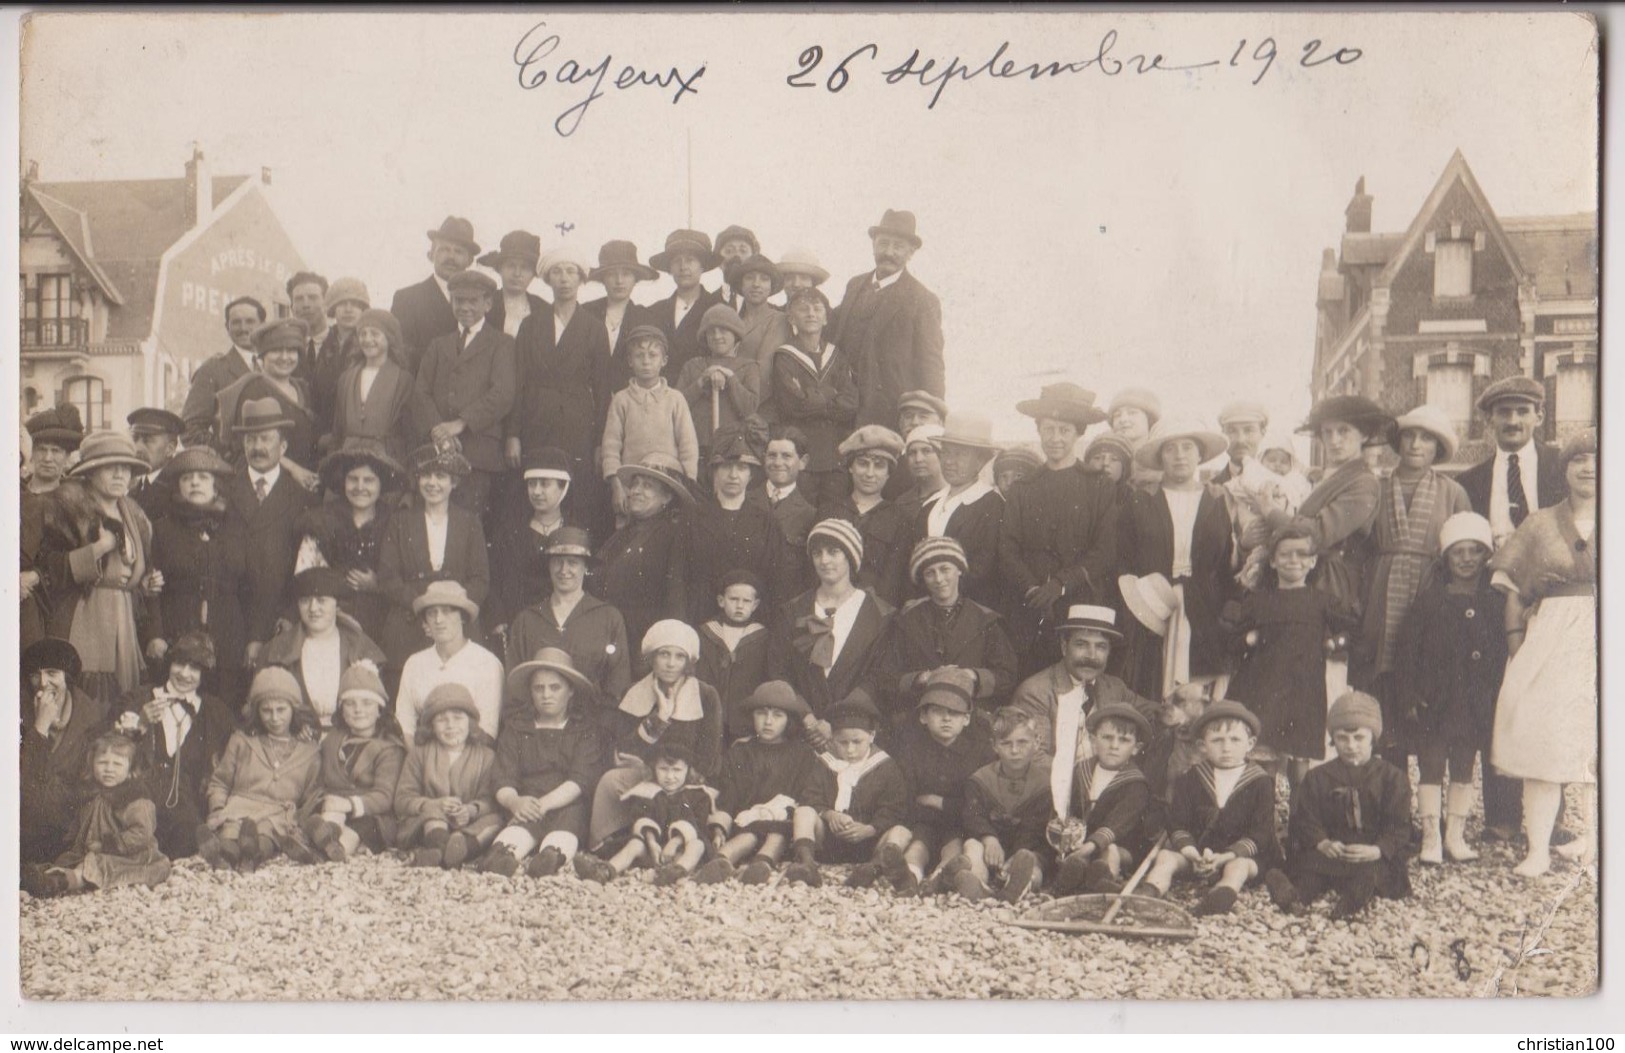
x=843, y=534
x=934, y=550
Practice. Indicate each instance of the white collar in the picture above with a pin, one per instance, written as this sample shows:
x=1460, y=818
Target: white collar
x=270, y=477
x=883, y=283
x=1528, y=453
x=775, y=494
x=249, y=358
x=473, y=330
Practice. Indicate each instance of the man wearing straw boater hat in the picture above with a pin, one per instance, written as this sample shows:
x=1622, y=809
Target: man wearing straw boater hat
x=890, y=324
x=424, y=310
x=515, y=262
x=157, y=435
x=686, y=257
x=619, y=272
x=263, y=506
x=1046, y=569
x=1061, y=698
x=967, y=509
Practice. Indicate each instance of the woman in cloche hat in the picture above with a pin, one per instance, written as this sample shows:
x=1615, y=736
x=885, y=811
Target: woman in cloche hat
x=375, y=397
x=644, y=564
x=59, y=722
x=596, y=641
x=619, y=272
x=96, y=554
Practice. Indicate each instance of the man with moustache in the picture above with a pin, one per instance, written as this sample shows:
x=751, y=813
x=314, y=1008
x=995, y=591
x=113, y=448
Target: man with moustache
x=1522, y=476
x=1061, y=698
x=891, y=325
x=243, y=316
x=424, y=309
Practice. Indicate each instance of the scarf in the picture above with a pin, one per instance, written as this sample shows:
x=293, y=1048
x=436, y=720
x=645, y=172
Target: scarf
x=103, y=628
x=1408, y=555
x=848, y=773
x=642, y=699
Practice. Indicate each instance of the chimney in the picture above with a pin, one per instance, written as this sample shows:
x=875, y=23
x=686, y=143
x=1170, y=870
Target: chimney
x=199, y=189
x=1359, y=210
x=265, y=175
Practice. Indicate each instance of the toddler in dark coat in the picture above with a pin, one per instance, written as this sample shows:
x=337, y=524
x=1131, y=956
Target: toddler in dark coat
x=771, y=788
x=1221, y=823
x=1008, y=806
x=733, y=648
x=671, y=811
x=939, y=753
x=1351, y=821
x=870, y=797
x=1116, y=818
x=1451, y=658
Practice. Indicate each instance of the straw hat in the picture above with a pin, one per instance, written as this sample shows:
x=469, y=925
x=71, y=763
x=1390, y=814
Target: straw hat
x=445, y=594
x=1090, y=616
x=1431, y=419
x=802, y=261
x=663, y=469
x=1064, y=402
x=968, y=428
x=1150, y=599
x=104, y=449
x=1209, y=444
x=554, y=660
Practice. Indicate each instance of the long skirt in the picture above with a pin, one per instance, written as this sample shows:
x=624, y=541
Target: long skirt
x=1546, y=715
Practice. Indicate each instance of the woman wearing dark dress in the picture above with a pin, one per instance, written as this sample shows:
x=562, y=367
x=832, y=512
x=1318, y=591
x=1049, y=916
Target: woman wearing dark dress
x=520, y=548
x=645, y=563
x=869, y=456
x=202, y=565
x=346, y=531
x=583, y=626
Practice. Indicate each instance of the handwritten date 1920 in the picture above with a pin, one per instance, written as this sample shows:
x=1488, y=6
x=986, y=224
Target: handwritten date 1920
x=1106, y=62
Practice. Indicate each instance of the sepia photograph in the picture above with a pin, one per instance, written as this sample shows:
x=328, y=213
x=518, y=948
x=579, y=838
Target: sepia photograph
x=585, y=505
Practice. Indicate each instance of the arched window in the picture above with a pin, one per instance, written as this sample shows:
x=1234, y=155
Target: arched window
x=91, y=396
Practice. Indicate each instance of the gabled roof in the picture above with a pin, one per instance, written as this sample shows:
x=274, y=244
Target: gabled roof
x=1559, y=251
x=74, y=229
x=1456, y=171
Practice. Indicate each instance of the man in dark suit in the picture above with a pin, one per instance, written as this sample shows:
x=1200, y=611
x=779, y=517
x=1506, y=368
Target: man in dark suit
x=686, y=258
x=243, y=316
x=1524, y=475
x=891, y=325
x=157, y=435
x=424, y=309
x=468, y=374
x=263, y=508
x=307, y=301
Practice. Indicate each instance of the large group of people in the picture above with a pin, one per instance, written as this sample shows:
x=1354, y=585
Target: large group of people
x=729, y=589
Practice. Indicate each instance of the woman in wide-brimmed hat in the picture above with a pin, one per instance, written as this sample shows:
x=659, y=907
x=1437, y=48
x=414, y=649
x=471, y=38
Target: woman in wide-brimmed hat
x=348, y=534
x=375, y=398
x=590, y=631
x=1181, y=531
x=619, y=272
x=686, y=257
x=564, y=385
x=203, y=565
x=645, y=563
x=97, y=556
x=1415, y=501
x=430, y=540
x=515, y=262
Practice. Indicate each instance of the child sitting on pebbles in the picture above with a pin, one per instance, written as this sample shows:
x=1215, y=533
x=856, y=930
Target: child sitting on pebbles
x=764, y=779
x=1007, y=808
x=269, y=774
x=1114, y=820
x=117, y=838
x=445, y=802
x=939, y=754
x=670, y=812
x=1351, y=821
x=1222, y=820
x=547, y=761
x=870, y=796
x=361, y=764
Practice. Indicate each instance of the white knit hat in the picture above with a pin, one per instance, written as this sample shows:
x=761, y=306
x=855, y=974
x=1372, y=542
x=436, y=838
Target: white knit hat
x=669, y=632
x=1466, y=526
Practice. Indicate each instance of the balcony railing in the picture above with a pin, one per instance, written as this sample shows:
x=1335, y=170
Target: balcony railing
x=52, y=334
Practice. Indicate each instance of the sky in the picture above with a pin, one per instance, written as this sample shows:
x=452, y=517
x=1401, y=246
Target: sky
x=1161, y=229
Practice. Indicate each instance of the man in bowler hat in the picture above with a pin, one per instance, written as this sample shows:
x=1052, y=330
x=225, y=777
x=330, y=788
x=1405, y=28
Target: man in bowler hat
x=424, y=309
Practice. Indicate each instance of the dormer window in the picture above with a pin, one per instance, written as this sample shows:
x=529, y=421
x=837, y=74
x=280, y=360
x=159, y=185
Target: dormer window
x=1453, y=269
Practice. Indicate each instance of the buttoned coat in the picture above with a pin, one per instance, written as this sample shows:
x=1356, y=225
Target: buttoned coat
x=269, y=533
x=404, y=572
x=895, y=339
x=976, y=526
x=211, y=378
x=563, y=387
x=475, y=385
x=977, y=641
x=424, y=314
x=620, y=374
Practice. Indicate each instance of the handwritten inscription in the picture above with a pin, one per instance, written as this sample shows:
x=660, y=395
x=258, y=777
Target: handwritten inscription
x=533, y=56
x=1109, y=60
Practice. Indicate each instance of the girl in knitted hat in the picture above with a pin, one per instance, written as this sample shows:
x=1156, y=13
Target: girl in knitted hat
x=446, y=798
x=1350, y=829
x=361, y=763
x=269, y=774
x=1451, y=656
x=668, y=706
x=116, y=842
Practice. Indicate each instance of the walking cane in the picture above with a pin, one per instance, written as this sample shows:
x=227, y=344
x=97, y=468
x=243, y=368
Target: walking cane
x=716, y=407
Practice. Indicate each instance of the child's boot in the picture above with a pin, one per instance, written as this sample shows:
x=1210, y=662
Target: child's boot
x=1459, y=803
x=969, y=887
x=804, y=871
x=41, y=882
x=1098, y=878
x=459, y=847
x=715, y=872
x=1283, y=893
x=545, y=863
x=864, y=875
x=500, y=860
x=591, y=868
x=1220, y=899
x=1019, y=875
x=231, y=852
x=248, y=847
x=1429, y=800
x=670, y=874
x=1073, y=875
x=758, y=871
x=427, y=857
x=436, y=838
x=894, y=868
x=208, y=847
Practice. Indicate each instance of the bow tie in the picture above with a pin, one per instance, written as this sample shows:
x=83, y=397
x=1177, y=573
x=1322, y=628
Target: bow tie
x=817, y=639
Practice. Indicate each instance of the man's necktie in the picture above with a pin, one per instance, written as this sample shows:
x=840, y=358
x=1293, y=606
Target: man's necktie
x=260, y=489
x=1517, y=500
x=463, y=342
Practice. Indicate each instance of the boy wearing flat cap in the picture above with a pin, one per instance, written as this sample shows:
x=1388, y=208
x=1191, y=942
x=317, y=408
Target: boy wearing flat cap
x=469, y=377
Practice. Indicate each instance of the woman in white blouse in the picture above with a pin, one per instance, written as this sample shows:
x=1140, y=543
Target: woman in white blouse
x=446, y=614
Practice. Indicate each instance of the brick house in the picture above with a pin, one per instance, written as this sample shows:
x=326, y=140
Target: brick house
x=1460, y=299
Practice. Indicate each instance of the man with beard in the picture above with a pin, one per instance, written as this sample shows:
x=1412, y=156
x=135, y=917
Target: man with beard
x=424, y=309
x=1061, y=698
x=891, y=325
